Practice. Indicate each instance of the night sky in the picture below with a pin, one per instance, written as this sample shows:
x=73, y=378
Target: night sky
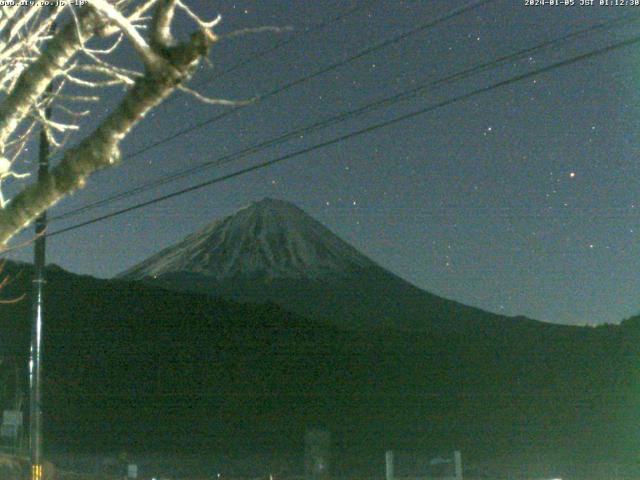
x=522, y=200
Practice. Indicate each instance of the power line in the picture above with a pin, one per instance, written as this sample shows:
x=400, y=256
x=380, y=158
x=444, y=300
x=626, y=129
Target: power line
x=371, y=128
x=399, y=97
x=374, y=48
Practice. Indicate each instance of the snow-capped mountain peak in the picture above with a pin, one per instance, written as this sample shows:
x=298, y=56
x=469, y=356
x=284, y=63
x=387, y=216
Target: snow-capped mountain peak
x=268, y=239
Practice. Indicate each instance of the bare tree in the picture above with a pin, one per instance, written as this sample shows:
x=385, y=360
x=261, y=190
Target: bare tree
x=41, y=68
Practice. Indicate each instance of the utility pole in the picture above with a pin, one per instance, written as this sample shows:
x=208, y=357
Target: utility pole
x=388, y=458
x=39, y=261
x=35, y=361
x=457, y=462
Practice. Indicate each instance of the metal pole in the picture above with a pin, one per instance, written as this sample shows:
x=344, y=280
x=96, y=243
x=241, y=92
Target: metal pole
x=388, y=457
x=457, y=460
x=35, y=362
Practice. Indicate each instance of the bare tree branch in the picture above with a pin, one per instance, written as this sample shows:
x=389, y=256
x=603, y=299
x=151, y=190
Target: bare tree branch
x=101, y=148
x=148, y=56
x=35, y=79
x=213, y=101
x=32, y=58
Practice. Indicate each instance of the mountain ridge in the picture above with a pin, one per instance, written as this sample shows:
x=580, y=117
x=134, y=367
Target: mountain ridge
x=271, y=250
x=149, y=368
x=266, y=239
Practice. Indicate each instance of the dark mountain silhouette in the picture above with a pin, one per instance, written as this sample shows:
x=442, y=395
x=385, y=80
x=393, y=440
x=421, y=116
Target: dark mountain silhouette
x=129, y=366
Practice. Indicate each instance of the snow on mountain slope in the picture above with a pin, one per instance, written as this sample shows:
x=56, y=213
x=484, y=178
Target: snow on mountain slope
x=269, y=239
x=271, y=251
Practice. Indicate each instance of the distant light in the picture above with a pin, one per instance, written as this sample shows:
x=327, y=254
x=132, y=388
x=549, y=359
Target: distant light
x=571, y=175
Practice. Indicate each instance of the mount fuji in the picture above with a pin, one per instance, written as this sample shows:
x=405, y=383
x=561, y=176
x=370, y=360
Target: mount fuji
x=272, y=251
x=268, y=240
